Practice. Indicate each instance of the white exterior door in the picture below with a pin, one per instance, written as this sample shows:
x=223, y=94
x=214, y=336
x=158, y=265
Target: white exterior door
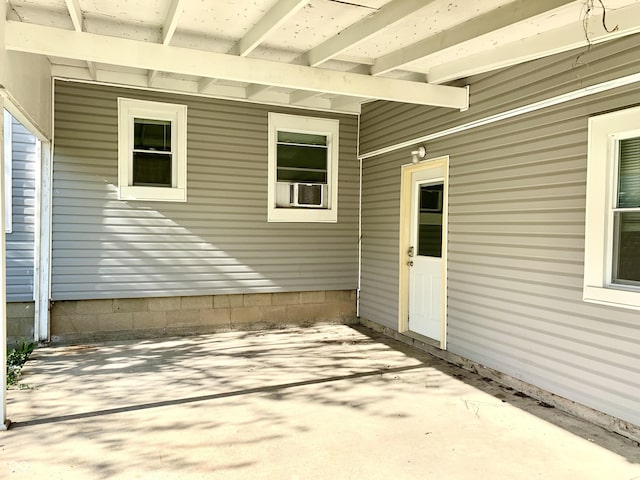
x=424, y=224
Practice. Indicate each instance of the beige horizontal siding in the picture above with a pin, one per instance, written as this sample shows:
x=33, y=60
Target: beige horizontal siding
x=380, y=240
x=219, y=240
x=516, y=237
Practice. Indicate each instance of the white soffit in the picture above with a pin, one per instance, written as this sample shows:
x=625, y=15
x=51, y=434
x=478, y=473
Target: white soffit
x=286, y=31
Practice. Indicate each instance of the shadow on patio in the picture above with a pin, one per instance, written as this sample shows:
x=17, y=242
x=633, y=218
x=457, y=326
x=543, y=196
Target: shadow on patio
x=321, y=402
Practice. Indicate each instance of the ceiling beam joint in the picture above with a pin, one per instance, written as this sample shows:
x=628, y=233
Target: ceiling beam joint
x=171, y=22
x=270, y=22
x=76, y=14
x=369, y=26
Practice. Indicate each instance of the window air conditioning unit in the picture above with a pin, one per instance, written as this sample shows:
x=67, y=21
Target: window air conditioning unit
x=310, y=195
x=301, y=195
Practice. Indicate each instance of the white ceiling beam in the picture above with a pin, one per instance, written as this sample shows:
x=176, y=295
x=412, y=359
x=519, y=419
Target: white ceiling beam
x=301, y=96
x=362, y=62
x=373, y=24
x=501, y=17
x=168, y=29
x=42, y=40
x=271, y=21
x=75, y=13
x=205, y=83
x=151, y=77
x=93, y=70
x=563, y=39
x=342, y=102
x=255, y=90
x=353, y=59
x=171, y=22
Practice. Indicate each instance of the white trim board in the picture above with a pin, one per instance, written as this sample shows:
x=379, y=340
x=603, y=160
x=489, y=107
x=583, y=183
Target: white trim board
x=4, y=422
x=8, y=171
x=549, y=102
x=21, y=115
x=147, y=88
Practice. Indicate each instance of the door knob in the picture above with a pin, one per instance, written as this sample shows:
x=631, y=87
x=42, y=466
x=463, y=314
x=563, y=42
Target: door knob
x=410, y=252
x=410, y=263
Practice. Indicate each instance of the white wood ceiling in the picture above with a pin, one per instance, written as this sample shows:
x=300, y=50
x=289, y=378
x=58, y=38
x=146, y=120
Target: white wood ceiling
x=325, y=54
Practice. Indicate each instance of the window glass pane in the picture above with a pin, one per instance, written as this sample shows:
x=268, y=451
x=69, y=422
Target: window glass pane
x=301, y=138
x=301, y=164
x=151, y=169
x=301, y=176
x=302, y=157
x=152, y=135
x=627, y=254
x=430, y=224
x=629, y=173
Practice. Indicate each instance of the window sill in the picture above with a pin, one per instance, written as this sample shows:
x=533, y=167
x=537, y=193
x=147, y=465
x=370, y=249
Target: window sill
x=153, y=194
x=612, y=297
x=299, y=215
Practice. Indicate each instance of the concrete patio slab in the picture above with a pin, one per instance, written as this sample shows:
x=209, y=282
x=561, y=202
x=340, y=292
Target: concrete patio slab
x=325, y=402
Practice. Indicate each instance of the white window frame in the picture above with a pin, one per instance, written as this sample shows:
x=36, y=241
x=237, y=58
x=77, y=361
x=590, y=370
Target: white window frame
x=128, y=110
x=309, y=125
x=605, y=131
x=8, y=171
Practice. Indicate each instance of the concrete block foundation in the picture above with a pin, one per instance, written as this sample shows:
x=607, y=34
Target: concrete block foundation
x=74, y=321
x=20, y=321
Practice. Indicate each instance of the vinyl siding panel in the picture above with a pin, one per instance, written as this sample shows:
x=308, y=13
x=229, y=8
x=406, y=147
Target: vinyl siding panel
x=380, y=238
x=20, y=242
x=219, y=241
x=516, y=253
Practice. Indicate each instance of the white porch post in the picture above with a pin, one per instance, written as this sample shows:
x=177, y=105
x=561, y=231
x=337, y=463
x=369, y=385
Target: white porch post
x=42, y=243
x=4, y=422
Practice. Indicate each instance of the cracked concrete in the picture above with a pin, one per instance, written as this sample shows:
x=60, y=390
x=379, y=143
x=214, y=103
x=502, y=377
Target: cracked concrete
x=325, y=402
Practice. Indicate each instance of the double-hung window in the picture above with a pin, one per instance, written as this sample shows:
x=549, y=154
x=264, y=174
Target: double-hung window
x=152, y=151
x=303, y=169
x=612, y=243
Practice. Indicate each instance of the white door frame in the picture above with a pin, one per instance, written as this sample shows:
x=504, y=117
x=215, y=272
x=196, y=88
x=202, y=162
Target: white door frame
x=42, y=240
x=405, y=243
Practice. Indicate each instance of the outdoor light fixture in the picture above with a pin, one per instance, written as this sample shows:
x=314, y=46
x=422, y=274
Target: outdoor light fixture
x=419, y=154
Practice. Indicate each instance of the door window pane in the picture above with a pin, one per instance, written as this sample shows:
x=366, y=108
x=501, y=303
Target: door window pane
x=430, y=221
